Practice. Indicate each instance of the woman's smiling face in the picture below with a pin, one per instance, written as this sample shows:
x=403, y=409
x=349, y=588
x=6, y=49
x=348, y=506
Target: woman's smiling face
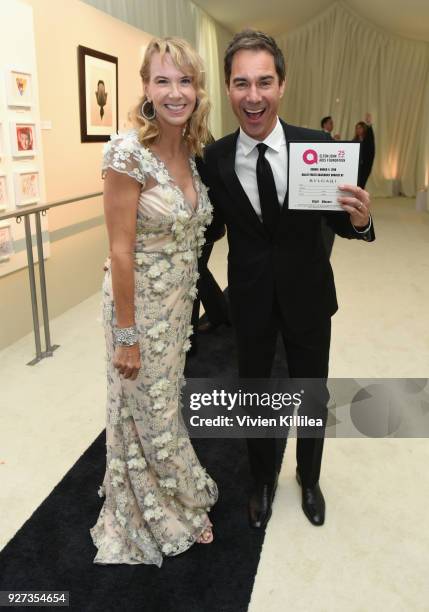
x=171, y=90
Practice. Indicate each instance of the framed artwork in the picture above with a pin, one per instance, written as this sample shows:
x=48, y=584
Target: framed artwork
x=4, y=194
x=19, y=88
x=23, y=139
x=6, y=241
x=27, y=190
x=98, y=95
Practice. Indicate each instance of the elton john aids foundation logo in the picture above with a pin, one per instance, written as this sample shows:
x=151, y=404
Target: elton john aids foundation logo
x=310, y=156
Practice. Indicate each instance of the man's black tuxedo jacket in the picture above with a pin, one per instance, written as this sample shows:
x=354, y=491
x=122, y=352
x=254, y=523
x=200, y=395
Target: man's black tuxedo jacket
x=292, y=265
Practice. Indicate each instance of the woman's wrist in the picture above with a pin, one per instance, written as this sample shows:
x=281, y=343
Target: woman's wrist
x=125, y=336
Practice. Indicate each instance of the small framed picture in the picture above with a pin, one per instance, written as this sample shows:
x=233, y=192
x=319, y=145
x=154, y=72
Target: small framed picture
x=23, y=138
x=27, y=189
x=19, y=88
x=4, y=194
x=6, y=241
x=98, y=95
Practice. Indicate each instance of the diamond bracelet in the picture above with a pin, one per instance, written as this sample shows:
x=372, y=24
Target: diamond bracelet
x=125, y=336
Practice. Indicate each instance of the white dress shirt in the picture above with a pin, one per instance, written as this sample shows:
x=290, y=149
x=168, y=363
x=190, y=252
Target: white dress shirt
x=246, y=156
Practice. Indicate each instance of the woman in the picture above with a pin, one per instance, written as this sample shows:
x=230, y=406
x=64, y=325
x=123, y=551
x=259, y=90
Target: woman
x=365, y=135
x=156, y=209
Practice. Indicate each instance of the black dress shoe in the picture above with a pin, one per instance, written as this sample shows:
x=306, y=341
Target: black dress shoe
x=206, y=327
x=313, y=503
x=260, y=504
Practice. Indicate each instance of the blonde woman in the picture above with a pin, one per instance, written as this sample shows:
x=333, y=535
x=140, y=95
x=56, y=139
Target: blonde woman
x=156, y=210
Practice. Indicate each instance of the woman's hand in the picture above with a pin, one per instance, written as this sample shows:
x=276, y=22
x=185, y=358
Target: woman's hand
x=127, y=360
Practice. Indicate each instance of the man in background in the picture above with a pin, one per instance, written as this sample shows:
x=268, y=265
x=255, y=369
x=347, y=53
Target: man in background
x=327, y=125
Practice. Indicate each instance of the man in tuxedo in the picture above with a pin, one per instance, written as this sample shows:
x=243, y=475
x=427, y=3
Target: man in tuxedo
x=279, y=276
x=327, y=125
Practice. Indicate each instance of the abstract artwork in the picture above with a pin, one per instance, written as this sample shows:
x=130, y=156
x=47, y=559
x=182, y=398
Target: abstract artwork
x=98, y=95
x=27, y=189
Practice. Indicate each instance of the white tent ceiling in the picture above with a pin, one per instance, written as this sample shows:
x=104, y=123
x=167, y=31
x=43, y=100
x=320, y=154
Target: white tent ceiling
x=408, y=18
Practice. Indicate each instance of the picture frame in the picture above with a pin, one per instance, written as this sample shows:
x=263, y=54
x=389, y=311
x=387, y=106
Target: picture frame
x=19, y=88
x=98, y=95
x=6, y=241
x=4, y=192
x=23, y=139
x=27, y=187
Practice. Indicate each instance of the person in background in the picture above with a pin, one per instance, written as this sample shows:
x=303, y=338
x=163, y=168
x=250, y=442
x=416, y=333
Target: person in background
x=327, y=125
x=365, y=135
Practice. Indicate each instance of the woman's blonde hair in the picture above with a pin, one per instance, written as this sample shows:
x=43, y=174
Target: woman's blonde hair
x=185, y=58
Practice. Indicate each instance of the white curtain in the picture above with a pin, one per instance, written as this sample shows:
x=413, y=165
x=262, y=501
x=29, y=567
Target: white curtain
x=341, y=65
x=208, y=49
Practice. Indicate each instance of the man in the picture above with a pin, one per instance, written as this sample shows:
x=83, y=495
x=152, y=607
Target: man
x=279, y=275
x=327, y=125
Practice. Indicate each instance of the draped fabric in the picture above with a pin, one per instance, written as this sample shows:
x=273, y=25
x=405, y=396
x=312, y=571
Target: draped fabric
x=341, y=65
x=337, y=64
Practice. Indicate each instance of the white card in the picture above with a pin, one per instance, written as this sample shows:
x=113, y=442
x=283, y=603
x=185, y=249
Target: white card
x=315, y=171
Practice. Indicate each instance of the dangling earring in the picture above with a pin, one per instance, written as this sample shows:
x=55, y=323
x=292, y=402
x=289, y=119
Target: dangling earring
x=143, y=111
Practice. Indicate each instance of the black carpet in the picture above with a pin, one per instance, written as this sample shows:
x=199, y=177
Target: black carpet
x=53, y=550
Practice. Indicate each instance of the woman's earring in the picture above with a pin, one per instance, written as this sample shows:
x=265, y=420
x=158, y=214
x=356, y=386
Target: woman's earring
x=152, y=115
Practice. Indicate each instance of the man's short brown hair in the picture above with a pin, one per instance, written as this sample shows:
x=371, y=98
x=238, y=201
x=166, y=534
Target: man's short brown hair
x=254, y=40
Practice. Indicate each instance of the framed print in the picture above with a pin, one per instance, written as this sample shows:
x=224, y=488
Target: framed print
x=98, y=95
x=19, y=88
x=23, y=139
x=27, y=190
x=6, y=241
x=4, y=194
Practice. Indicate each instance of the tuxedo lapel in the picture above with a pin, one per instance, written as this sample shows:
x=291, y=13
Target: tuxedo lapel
x=230, y=179
x=290, y=134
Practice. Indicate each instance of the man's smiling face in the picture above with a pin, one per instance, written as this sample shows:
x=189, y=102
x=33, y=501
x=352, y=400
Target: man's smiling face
x=254, y=91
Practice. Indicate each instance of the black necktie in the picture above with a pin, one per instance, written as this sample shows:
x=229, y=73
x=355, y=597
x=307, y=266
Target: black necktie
x=267, y=191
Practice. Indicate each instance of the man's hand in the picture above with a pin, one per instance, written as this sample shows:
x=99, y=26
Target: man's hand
x=356, y=205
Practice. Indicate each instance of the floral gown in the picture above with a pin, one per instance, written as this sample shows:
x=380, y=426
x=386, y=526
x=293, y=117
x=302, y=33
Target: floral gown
x=156, y=493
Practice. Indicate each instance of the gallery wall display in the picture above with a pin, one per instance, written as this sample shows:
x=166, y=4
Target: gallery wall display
x=4, y=192
x=27, y=188
x=6, y=241
x=22, y=183
x=23, y=139
x=19, y=91
x=98, y=95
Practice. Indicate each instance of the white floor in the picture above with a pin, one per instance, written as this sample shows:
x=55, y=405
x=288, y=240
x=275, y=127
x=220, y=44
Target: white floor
x=374, y=548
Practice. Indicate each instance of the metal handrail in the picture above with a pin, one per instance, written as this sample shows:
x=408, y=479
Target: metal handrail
x=42, y=207
x=17, y=215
